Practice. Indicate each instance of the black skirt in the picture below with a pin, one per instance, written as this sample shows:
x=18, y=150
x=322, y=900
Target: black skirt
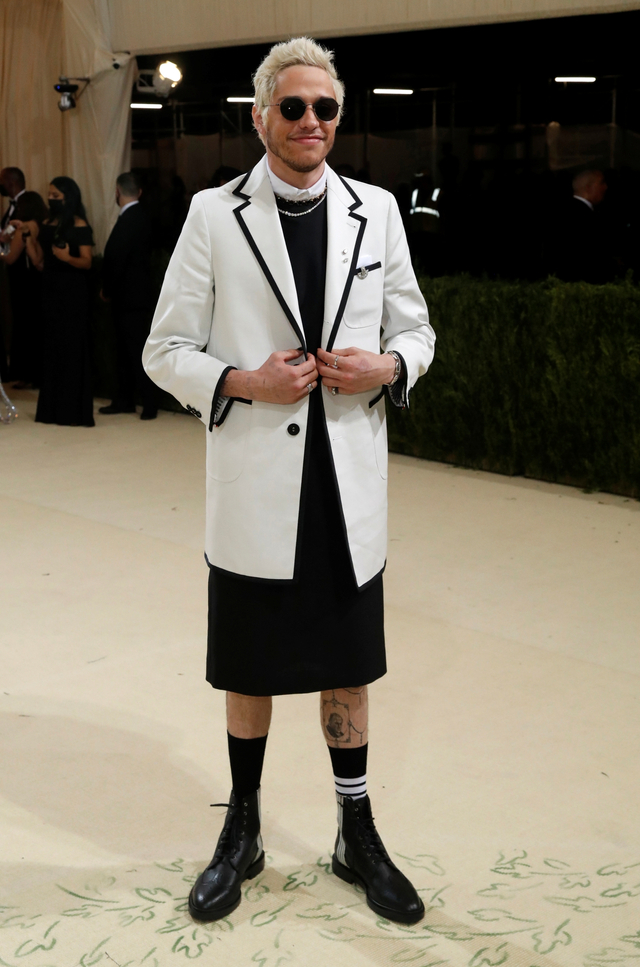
x=316, y=632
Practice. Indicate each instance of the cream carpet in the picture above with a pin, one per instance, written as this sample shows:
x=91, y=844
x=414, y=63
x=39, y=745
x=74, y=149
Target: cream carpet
x=505, y=740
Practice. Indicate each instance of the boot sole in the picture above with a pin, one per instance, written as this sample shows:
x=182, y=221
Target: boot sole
x=207, y=916
x=398, y=916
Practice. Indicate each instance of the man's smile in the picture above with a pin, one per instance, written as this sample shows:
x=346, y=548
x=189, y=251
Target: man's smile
x=308, y=138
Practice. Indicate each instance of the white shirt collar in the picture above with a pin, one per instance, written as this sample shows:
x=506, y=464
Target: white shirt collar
x=580, y=198
x=291, y=193
x=129, y=204
x=14, y=200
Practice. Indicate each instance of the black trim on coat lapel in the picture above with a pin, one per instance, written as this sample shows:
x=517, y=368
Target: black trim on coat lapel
x=354, y=261
x=261, y=262
x=334, y=331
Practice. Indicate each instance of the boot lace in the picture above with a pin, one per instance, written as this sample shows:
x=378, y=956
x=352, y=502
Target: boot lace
x=370, y=838
x=230, y=837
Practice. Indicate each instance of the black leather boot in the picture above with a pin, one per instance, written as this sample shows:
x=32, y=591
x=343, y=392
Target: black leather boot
x=360, y=857
x=239, y=856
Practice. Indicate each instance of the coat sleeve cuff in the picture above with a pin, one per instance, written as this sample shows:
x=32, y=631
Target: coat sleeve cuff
x=220, y=405
x=398, y=392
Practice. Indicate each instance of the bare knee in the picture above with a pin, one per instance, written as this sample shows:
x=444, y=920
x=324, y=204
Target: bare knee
x=248, y=716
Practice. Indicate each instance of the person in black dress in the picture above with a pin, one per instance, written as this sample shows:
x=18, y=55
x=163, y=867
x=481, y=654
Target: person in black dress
x=62, y=250
x=25, y=283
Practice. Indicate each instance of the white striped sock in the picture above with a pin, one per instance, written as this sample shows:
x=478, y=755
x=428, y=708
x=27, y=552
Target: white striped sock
x=354, y=788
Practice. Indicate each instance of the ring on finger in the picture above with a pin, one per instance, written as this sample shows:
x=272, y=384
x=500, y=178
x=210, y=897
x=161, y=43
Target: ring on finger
x=334, y=390
x=309, y=388
x=335, y=362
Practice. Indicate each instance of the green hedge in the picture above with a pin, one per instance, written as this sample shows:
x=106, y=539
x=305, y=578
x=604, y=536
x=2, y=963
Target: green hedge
x=540, y=379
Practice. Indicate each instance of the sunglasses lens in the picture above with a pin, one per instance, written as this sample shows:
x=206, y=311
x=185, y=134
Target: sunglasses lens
x=326, y=108
x=292, y=108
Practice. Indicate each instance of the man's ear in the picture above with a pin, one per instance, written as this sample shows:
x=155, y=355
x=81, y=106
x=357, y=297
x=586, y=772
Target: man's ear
x=258, y=123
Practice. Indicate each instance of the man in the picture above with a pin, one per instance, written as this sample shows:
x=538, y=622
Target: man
x=581, y=248
x=285, y=276
x=12, y=186
x=127, y=285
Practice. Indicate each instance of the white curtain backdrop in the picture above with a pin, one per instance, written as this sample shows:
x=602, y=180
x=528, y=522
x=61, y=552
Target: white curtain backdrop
x=31, y=127
x=98, y=131
x=39, y=41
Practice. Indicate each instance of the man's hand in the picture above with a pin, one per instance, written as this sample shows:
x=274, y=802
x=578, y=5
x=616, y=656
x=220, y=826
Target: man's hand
x=277, y=380
x=357, y=371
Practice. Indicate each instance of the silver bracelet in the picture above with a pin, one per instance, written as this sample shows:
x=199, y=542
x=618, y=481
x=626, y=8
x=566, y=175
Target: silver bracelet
x=398, y=371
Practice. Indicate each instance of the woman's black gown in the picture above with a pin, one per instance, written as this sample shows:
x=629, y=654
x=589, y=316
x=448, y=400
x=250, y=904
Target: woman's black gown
x=318, y=631
x=25, y=283
x=66, y=392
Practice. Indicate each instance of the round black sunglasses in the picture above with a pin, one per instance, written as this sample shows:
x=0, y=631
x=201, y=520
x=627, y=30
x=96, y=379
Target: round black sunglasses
x=293, y=108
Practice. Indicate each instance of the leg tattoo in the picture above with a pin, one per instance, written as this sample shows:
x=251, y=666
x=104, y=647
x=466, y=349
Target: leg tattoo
x=344, y=714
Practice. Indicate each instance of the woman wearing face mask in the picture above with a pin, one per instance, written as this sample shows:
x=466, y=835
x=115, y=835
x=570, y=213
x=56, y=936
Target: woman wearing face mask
x=61, y=248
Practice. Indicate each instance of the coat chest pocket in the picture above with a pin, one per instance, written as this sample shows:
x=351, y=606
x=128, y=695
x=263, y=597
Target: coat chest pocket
x=364, y=305
x=227, y=444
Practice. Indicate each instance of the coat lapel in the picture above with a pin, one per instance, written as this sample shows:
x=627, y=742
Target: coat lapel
x=345, y=229
x=258, y=218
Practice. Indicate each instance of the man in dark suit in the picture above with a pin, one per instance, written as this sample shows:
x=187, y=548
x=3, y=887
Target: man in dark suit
x=127, y=285
x=581, y=246
x=12, y=186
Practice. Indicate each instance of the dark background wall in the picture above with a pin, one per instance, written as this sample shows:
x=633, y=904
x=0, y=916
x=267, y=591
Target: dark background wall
x=487, y=125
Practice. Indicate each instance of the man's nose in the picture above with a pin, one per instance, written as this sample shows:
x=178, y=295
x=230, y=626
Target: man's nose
x=309, y=118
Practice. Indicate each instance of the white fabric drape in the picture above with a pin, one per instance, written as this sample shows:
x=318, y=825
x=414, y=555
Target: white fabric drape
x=31, y=127
x=98, y=131
x=39, y=41
x=158, y=26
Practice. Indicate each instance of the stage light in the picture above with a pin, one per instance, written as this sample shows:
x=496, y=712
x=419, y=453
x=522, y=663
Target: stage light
x=160, y=81
x=574, y=80
x=391, y=90
x=240, y=100
x=141, y=106
x=169, y=71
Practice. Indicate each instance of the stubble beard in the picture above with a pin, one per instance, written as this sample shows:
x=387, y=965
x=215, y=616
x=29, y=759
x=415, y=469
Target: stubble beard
x=301, y=167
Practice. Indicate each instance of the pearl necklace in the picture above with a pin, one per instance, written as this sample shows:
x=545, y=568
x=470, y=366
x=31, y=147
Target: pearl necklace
x=283, y=211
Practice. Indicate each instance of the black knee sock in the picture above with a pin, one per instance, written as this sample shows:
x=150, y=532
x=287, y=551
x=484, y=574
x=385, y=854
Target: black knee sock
x=350, y=770
x=246, y=757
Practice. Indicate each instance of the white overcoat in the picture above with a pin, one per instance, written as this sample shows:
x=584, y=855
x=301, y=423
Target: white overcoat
x=229, y=290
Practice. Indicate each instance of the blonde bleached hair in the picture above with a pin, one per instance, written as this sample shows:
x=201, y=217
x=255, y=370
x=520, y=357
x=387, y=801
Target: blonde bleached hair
x=290, y=53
